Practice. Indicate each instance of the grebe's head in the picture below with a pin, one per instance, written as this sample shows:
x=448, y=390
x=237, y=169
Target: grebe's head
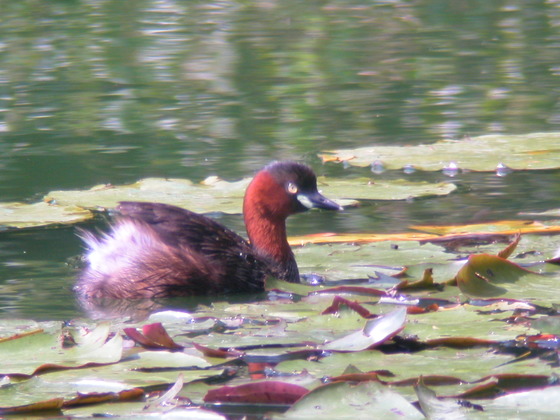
x=283, y=188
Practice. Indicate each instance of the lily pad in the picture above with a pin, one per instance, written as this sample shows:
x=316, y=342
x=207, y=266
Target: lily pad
x=343, y=400
x=215, y=194
x=21, y=215
x=211, y=195
x=31, y=354
x=368, y=189
x=484, y=153
x=375, y=332
x=482, y=272
x=502, y=227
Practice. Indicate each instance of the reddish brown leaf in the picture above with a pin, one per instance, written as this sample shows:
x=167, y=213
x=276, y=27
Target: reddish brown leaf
x=157, y=333
x=516, y=381
x=139, y=338
x=101, y=397
x=555, y=260
x=426, y=282
x=257, y=370
x=218, y=353
x=52, y=367
x=415, y=310
x=487, y=390
x=48, y=405
x=355, y=306
x=154, y=337
x=267, y=392
x=540, y=341
x=507, y=251
x=21, y=335
x=357, y=238
x=460, y=342
x=356, y=377
x=432, y=380
x=352, y=289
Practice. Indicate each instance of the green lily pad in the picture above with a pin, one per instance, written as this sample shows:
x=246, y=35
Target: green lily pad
x=375, y=332
x=438, y=408
x=482, y=272
x=485, y=153
x=43, y=351
x=342, y=400
x=539, y=403
x=21, y=215
x=211, y=195
x=215, y=194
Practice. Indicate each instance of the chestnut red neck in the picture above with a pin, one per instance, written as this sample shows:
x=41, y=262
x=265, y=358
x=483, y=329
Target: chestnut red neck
x=265, y=208
x=278, y=190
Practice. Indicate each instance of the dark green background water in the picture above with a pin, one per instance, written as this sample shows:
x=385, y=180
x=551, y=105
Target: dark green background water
x=113, y=91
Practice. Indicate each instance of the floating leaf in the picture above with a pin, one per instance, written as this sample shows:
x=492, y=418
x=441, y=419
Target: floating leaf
x=375, y=332
x=536, y=404
x=212, y=196
x=343, y=400
x=482, y=272
x=506, y=252
x=426, y=282
x=547, y=324
x=368, y=189
x=153, y=336
x=98, y=397
x=502, y=227
x=39, y=353
x=266, y=392
x=168, y=396
x=437, y=408
x=21, y=215
x=485, y=153
x=338, y=302
x=219, y=195
x=41, y=406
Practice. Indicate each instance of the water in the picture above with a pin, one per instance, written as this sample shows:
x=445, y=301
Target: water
x=96, y=92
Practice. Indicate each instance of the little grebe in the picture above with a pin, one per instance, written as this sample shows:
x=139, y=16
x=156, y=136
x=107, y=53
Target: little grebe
x=159, y=250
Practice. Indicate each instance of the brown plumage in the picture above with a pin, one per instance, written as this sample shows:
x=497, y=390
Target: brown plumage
x=159, y=250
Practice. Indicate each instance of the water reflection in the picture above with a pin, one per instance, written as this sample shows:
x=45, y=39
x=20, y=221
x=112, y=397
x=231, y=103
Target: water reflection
x=260, y=80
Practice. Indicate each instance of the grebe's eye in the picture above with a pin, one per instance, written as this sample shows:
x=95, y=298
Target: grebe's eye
x=292, y=188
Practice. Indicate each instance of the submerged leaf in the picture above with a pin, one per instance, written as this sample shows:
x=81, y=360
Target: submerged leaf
x=547, y=324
